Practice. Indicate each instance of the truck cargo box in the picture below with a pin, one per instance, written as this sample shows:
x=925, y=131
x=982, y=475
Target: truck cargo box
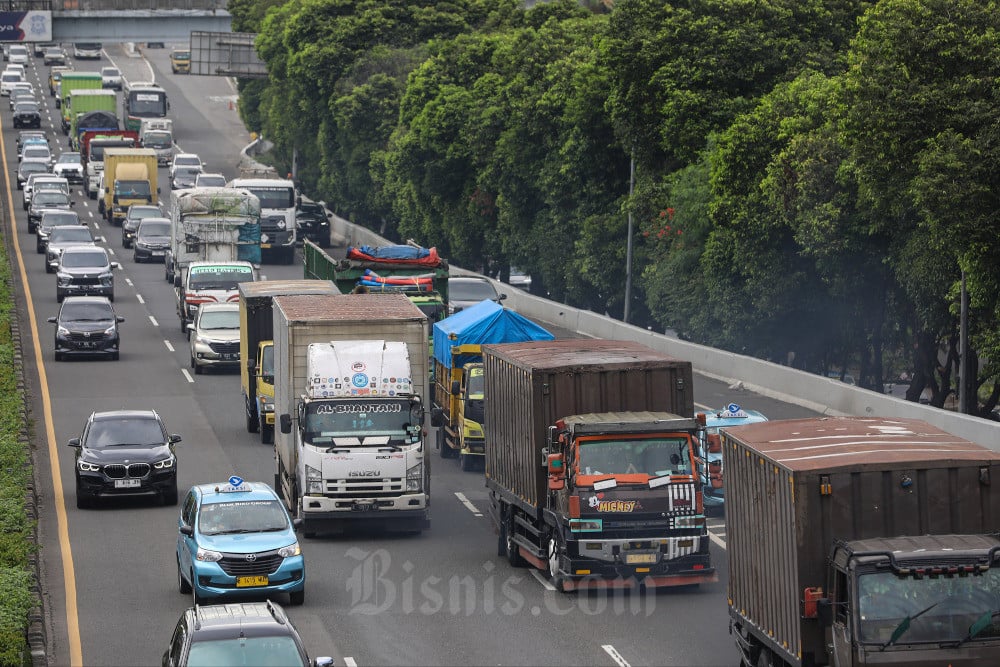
x=301, y=320
x=531, y=385
x=795, y=487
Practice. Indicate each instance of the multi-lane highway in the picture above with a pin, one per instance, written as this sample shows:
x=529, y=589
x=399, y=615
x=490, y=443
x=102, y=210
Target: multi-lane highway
x=443, y=597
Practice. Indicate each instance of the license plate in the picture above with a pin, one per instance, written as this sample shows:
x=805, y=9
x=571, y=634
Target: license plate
x=247, y=582
x=265, y=245
x=633, y=559
x=229, y=356
x=89, y=345
x=363, y=507
x=127, y=483
x=157, y=253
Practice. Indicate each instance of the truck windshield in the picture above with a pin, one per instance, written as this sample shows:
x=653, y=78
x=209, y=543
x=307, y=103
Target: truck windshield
x=274, y=197
x=220, y=278
x=158, y=140
x=132, y=188
x=938, y=609
x=476, y=382
x=97, y=150
x=355, y=418
x=635, y=456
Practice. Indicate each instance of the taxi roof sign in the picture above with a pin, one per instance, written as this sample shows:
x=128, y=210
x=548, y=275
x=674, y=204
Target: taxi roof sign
x=733, y=411
x=236, y=485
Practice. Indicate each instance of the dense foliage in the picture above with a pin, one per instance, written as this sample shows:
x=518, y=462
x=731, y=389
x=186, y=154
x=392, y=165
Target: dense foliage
x=16, y=529
x=813, y=177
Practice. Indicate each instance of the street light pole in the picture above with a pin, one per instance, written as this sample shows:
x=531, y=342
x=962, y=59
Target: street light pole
x=628, y=250
x=963, y=358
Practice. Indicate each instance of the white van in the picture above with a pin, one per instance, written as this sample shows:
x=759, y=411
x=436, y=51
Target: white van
x=18, y=54
x=7, y=80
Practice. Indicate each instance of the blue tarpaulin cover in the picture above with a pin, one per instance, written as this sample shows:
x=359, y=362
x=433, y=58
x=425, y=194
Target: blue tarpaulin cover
x=486, y=322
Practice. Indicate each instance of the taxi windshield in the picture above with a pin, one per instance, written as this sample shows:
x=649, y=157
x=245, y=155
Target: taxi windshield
x=242, y=516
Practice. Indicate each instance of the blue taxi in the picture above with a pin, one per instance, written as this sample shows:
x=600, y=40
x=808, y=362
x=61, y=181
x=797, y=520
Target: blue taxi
x=711, y=473
x=237, y=540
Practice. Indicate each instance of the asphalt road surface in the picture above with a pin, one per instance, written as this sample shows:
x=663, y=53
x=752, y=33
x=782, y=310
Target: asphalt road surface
x=442, y=598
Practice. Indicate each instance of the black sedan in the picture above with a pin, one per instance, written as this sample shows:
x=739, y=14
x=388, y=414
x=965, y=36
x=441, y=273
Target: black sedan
x=29, y=167
x=125, y=453
x=152, y=240
x=27, y=114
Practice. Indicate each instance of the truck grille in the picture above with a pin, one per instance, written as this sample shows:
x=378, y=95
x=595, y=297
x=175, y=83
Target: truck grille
x=121, y=471
x=369, y=488
x=225, y=348
x=248, y=565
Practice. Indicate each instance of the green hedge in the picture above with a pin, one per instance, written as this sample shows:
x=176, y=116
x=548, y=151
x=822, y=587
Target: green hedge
x=16, y=529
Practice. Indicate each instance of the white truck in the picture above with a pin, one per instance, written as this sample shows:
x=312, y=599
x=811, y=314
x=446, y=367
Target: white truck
x=278, y=200
x=214, y=245
x=350, y=378
x=158, y=134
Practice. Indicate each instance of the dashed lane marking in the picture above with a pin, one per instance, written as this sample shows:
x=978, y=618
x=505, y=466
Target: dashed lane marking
x=615, y=655
x=468, y=504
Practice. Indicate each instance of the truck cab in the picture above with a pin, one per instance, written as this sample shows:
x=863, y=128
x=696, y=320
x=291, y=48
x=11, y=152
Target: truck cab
x=460, y=420
x=209, y=282
x=924, y=600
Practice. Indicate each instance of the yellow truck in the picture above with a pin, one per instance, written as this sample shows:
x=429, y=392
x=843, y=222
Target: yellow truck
x=180, y=60
x=257, y=346
x=129, y=178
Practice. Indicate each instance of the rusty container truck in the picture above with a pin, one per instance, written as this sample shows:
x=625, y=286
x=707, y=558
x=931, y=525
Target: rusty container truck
x=590, y=463
x=861, y=541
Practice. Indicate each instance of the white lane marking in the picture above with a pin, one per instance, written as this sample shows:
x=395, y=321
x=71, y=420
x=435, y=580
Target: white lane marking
x=187, y=375
x=128, y=281
x=111, y=251
x=169, y=346
x=153, y=320
x=548, y=585
x=718, y=540
x=615, y=655
x=703, y=407
x=349, y=661
x=139, y=296
x=465, y=501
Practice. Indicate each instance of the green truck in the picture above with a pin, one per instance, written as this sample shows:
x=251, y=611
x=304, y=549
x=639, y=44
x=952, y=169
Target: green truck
x=75, y=81
x=82, y=104
x=348, y=274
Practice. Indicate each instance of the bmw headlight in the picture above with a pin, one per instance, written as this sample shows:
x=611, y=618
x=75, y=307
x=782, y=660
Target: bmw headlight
x=292, y=549
x=87, y=467
x=415, y=477
x=314, y=480
x=207, y=556
x=165, y=463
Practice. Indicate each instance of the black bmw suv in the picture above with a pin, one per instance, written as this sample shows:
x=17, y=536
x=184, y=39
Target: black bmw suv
x=251, y=633
x=125, y=453
x=311, y=222
x=87, y=326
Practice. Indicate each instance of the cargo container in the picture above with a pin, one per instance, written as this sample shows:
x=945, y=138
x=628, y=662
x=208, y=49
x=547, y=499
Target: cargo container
x=373, y=472
x=130, y=178
x=70, y=81
x=861, y=541
x=591, y=463
x=257, y=346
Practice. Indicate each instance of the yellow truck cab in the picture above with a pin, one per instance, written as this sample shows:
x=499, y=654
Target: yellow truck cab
x=130, y=178
x=180, y=60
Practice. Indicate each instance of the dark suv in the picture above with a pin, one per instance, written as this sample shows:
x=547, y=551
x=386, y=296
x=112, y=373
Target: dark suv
x=87, y=325
x=136, y=213
x=85, y=270
x=311, y=222
x=251, y=633
x=125, y=453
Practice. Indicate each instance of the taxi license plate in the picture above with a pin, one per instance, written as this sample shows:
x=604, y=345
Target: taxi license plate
x=127, y=483
x=247, y=582
x=264, y=246
x=633, y=559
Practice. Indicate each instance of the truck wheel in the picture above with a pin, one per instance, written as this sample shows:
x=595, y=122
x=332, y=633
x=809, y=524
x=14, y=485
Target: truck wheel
x=443, y=448
x=514, y=556
x=253, y=425
x=553, y=563
x=267, y=435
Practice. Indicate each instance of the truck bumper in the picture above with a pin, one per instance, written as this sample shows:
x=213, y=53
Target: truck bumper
x=322, y=514
x=580, y=572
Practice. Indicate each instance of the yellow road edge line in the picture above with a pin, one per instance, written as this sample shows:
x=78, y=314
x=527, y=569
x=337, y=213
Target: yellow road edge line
x=69, y=572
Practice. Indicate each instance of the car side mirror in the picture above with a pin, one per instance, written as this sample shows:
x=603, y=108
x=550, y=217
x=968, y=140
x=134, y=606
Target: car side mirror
x=186, y=530
x=72, y=203
x=74, y=442
x=191, y=327
x=286, y=423
x=501, y=297
x=53, y=320
x=324, y=661
x=173, y=438
x=297, y=524
x=116, y=265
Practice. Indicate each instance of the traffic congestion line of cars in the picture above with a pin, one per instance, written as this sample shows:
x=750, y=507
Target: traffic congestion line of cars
x=234, y=540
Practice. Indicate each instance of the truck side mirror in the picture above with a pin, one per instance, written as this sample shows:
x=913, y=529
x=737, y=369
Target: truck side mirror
x=557, y=472
x=714, y=441
x=456, y=388
x=286, y=423
x=437, y=416
x=251, y=367
x=177, y=280
x=824, y=612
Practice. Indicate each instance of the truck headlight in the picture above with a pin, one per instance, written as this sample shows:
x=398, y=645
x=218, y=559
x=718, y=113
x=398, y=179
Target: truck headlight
x=292, y=549
x=314, y=480
x=267, y=404
x=415, y=477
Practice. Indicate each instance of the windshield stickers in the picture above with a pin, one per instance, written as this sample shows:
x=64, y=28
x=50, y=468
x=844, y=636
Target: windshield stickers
x=220, y=269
